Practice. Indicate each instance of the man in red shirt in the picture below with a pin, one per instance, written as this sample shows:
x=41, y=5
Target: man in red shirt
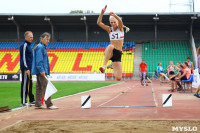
x=143, y=72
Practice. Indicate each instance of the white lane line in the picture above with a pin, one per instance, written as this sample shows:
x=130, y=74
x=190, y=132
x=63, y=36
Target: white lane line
x=154, y=95
x=113, y=97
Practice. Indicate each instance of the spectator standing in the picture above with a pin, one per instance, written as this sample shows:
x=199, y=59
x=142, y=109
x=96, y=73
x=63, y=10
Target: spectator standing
x=41, y=68
x=26, y=56
x=143, y=72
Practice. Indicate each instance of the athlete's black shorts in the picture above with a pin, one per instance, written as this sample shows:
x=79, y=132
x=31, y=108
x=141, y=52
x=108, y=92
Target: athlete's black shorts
x=171, y=73
x=117, y=55
x=173, y=78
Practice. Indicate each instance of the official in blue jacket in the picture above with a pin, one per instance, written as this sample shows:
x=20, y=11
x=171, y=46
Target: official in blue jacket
x=41, y=68
x=26, y=57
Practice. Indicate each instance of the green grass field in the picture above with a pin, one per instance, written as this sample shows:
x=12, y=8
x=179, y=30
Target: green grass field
x=10, y=91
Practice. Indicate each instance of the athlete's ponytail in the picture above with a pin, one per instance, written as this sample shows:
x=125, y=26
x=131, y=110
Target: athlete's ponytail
x=127, y=29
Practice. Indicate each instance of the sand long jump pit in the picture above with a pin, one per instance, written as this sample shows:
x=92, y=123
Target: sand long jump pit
x=102, y=126
x=112, y=112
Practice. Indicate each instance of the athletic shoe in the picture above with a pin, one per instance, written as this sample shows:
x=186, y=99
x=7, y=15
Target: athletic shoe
x=24, y=105
x=41, y=107
x=170, y=89
x=179, y=89
x=110, y=66
x=53, y=107
x=102, y=69
x=197, y=95
x=32, y=103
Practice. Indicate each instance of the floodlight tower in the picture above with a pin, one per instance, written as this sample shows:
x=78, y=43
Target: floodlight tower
x=84, y=19
x=11, y=18
x=156, y=19
x=52, y=29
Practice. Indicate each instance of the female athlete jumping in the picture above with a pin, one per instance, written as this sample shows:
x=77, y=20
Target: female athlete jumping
x=114, y=50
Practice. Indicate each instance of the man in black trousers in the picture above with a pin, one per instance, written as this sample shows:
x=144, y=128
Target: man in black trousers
x=26, y=57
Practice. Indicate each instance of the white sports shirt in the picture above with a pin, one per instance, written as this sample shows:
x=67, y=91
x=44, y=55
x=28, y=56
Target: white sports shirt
x=116, y=35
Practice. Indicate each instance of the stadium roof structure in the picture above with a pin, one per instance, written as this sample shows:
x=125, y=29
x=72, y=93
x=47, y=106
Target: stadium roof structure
x=74, y=19
x=142, y=24
x=93, y=14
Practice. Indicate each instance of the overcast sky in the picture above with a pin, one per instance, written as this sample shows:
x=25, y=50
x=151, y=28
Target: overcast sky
x=65, y=6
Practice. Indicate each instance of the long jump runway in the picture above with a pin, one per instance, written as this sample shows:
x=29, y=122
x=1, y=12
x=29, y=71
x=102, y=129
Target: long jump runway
x=132, y=96
x=127, y=100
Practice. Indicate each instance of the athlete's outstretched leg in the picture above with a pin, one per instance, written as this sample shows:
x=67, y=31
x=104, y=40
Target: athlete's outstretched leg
x=108, y=54
x=117, y=67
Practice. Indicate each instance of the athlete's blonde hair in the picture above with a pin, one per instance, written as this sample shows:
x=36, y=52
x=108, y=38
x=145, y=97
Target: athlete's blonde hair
x=127, y=28
x=111, y=17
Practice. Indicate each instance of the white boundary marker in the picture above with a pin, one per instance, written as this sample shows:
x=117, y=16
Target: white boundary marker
x=86, y=102
x=154, y=95
x=20, y=108
x=17, y=108
x=167, y=100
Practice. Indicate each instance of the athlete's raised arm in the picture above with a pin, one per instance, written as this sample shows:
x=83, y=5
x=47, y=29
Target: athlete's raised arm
x=120, y=23
x=99, y=21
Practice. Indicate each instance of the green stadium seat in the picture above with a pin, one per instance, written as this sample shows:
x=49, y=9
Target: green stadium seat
x=177, y=51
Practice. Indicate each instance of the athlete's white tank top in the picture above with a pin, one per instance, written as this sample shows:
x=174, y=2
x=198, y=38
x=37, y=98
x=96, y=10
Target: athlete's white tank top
x=171, y=67
x=116, y=35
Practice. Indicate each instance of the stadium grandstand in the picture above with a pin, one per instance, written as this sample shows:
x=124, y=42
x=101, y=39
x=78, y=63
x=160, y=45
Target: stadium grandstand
x=78, y=44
